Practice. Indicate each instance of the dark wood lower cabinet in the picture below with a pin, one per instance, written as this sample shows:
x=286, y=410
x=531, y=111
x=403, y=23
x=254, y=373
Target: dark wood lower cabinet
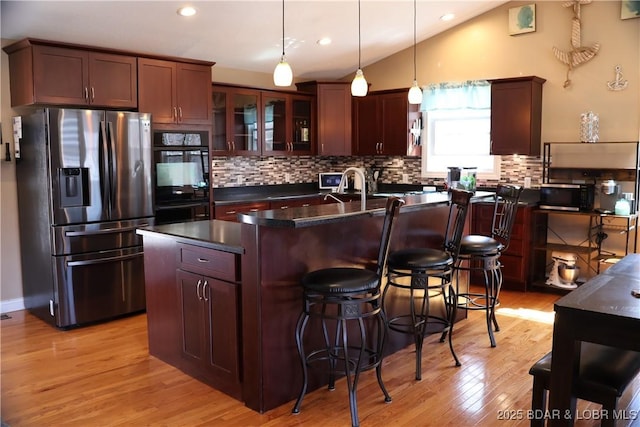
x=209, y=326
x=193, y=312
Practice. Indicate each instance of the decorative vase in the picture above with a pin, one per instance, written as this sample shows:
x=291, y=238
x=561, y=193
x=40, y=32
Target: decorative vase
x=589, y=127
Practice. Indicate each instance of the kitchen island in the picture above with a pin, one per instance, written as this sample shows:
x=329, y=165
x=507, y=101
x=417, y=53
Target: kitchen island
x=223, y=298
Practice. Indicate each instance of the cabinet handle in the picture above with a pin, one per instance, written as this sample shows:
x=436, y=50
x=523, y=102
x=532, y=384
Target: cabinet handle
x=198, y=290
x=284, y=207
x=203, y=260
x=93, y=93
x=179, y=113
x=230, y=212
x=205, y=292
x=175, y=114
x=86, y=93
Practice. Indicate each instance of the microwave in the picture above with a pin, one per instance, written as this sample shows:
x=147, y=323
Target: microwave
x=567, y=197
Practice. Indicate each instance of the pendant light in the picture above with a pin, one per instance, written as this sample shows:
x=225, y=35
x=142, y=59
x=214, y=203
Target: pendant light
x=415, y=93
x=283, y=75
x=359, y=86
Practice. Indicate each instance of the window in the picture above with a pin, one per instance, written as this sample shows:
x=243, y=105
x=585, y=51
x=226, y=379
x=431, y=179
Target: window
x=457, y=130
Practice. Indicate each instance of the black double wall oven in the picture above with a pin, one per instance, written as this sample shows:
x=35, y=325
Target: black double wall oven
x=181, y=176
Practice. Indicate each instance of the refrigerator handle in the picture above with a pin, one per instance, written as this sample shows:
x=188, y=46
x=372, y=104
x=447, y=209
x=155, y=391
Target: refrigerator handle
x=104, y=167
x=113, y=177
x=103, y=260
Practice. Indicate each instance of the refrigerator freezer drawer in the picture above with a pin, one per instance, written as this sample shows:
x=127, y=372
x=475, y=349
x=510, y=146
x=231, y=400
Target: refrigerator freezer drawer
x=100, y=286
x=104, y=236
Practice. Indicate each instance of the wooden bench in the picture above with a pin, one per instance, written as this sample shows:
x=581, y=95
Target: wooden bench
x=605, y=373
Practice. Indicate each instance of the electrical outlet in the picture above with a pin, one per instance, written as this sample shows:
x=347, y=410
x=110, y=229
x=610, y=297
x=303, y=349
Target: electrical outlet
x=405, y=178
x=527, y=182
x=239, y=180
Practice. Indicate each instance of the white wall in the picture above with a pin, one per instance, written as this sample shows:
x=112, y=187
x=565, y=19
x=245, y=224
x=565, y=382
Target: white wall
x=10, y=272
x=483, y=49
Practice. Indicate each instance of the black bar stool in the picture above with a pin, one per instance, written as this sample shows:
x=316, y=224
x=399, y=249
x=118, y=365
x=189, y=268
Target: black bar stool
x=482, y=253
x=604, y=374
x=411, y=269
x=338, y=295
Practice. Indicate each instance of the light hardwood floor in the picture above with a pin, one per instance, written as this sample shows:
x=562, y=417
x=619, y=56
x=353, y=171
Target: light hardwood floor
x=102, y=375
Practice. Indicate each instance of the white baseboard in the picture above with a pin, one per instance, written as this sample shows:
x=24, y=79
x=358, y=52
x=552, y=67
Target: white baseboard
x=10, y=305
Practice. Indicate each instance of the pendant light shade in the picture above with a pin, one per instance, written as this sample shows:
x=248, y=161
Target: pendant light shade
x=359, y=85
x=283, y=75
x=415, y=93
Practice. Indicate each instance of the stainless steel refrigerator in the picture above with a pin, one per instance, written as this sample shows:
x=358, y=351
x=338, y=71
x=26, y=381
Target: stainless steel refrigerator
x=84, y=186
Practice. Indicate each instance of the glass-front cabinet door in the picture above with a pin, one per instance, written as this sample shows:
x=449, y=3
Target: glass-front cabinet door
x=301, y=121
x=253, y=122
x=287, y=123
x=236, y=121
x=276, y=135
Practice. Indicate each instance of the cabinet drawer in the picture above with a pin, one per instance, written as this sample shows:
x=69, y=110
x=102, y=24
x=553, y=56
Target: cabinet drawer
x=230, y=212
x=217, y=264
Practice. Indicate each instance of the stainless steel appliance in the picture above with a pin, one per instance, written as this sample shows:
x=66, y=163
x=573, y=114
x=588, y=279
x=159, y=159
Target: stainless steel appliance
x=567, y=197
x=564, y=271
x=453, y=176
x=181, y=175
x=84, y=186
x=609, y=195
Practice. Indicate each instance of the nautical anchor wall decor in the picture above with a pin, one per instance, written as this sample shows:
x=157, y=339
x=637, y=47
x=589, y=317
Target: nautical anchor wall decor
x=619, y=83
x=578, y=54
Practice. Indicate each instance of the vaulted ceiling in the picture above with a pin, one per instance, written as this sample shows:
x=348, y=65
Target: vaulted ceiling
x=241, y=34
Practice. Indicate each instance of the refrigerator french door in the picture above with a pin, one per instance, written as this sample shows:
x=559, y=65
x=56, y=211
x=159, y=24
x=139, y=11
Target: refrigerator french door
x=84, y=186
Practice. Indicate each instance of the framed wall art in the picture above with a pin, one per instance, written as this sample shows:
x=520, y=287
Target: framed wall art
x=630, y=9
x=522, y=19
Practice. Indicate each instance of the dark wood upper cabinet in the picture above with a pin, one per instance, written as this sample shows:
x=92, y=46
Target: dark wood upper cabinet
x=516, y=115
x=382, y=121
x=53, y=75
x=248, y=121
x=174, y=92
x=236, y=116
x=333, y=111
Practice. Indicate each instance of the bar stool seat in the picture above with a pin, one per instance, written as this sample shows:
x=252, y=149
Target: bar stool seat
x=482, y=253
x=427, y=273
x=338, y=297
x=604, y=374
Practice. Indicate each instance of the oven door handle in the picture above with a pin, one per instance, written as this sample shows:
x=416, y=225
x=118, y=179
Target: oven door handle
x=103, y=231
x=102, y=260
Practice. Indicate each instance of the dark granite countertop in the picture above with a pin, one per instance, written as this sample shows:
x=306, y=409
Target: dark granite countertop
x=213, y=234
x=334, y=212
x=267, y=193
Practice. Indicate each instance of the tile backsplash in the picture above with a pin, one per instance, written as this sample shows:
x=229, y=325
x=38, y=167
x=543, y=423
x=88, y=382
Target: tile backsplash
x=238, y=171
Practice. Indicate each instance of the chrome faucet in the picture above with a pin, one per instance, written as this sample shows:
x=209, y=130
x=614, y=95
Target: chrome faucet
x=326, y=196
x=363, y=192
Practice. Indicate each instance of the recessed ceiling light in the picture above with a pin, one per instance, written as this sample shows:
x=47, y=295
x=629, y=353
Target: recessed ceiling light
x=447, y=17
x=324, y=41
x=187, y=11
